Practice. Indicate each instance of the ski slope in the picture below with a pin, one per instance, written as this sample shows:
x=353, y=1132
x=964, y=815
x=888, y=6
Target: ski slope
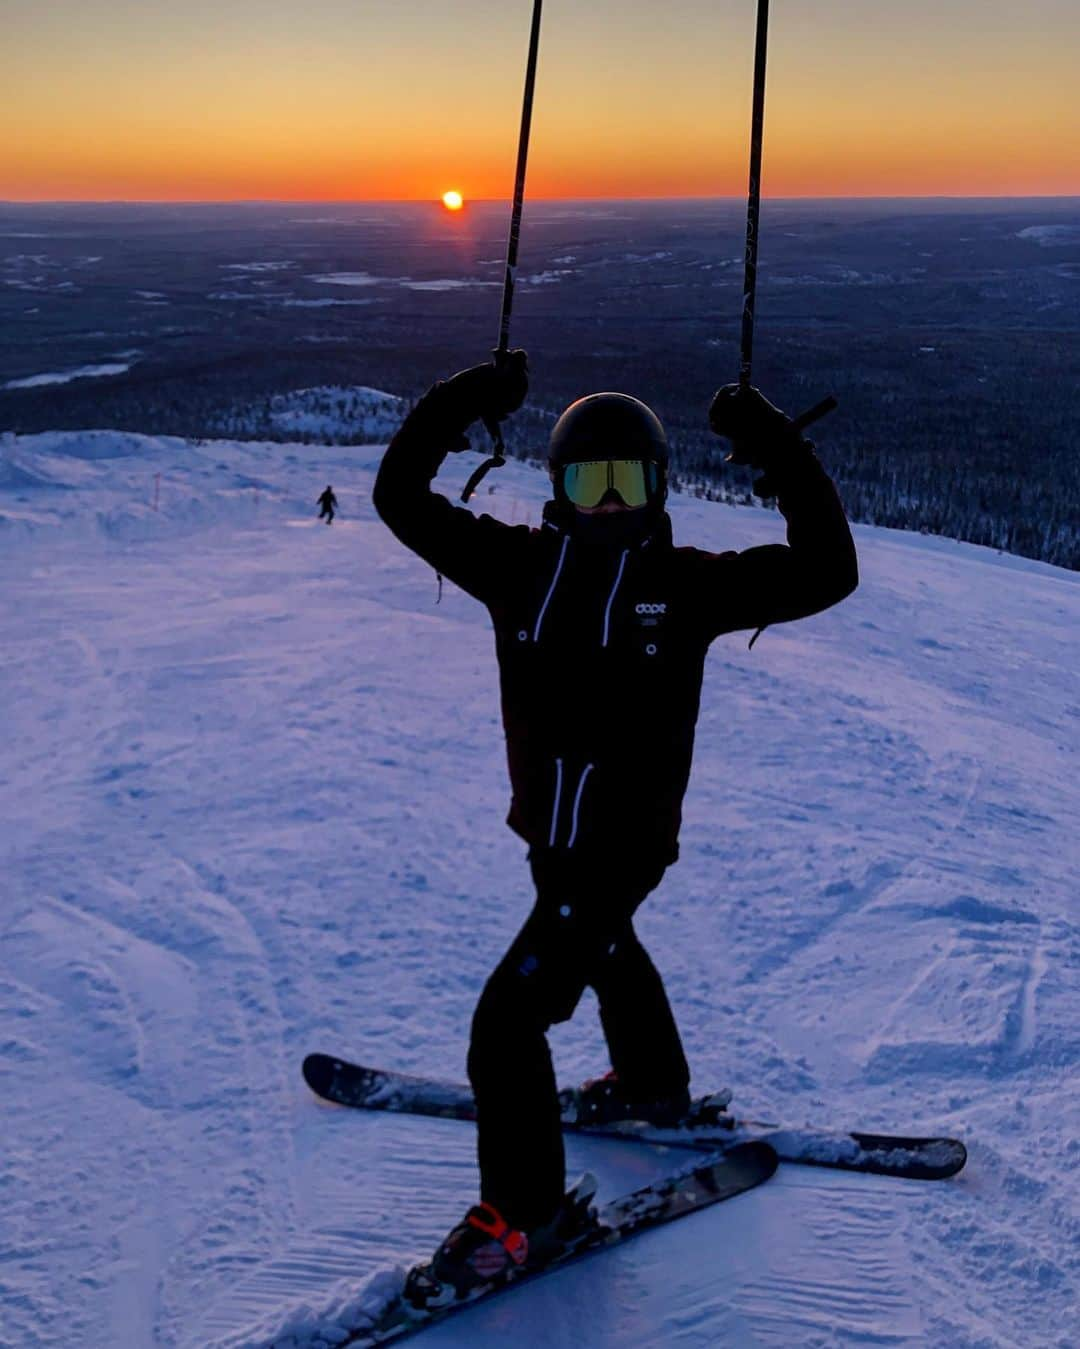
x=251, y=804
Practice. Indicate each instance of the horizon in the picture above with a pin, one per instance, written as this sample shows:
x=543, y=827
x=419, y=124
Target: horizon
x=505, y=201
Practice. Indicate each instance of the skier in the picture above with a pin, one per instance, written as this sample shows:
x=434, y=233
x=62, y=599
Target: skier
x=326, y=503
x=601, y=630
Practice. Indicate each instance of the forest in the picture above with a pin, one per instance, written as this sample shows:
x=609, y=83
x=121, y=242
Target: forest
x=949, y=333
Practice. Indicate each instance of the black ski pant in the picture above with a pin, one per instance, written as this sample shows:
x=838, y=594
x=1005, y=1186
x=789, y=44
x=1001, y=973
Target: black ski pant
x=579, y=934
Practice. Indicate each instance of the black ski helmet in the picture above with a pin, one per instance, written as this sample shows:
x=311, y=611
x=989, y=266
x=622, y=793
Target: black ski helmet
x=607, y=426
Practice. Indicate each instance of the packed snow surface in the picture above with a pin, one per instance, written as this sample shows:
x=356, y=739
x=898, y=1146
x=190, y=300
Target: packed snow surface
x=251, y=804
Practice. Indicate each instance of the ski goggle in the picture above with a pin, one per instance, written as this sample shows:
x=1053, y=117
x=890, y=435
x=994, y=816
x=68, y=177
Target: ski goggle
x=635, y=480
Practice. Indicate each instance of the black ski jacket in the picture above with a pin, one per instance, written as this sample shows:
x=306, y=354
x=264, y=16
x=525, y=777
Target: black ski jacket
x=601, y=652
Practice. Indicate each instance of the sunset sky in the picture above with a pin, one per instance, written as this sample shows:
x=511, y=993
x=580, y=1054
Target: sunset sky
x=368, y=99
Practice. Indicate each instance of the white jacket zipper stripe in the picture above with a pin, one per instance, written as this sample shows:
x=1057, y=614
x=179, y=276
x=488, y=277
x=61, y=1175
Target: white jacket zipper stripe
x=551, y=589
x=611, y=597
x=555, y=804
x=577, y=802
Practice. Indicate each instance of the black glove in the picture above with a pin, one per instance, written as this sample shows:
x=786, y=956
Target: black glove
x=757, y=430
x=760, y=434
x=490, y=392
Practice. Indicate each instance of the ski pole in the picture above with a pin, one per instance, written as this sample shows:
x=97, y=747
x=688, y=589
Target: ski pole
x=753, y=197
x=519, y=189
x=498, y=447
x=753, y=214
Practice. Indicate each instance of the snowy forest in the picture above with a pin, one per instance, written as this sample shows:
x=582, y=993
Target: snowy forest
x=948, y=332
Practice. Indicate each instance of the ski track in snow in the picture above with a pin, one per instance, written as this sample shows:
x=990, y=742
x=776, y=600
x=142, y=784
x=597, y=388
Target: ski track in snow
x=251, y=804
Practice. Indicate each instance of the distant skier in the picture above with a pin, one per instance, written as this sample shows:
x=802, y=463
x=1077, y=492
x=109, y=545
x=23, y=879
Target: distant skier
x=601, y=630
x=327, y=502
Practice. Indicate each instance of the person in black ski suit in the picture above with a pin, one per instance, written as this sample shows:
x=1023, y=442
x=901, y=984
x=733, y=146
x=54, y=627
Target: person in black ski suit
x=601, y=628
x=327, y=502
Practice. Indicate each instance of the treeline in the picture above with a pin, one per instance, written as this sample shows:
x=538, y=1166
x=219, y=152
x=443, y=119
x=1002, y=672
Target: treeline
x=998, y=472
x=328, y=414
x=953, y=474
x=1017, y=508
x=965, y=433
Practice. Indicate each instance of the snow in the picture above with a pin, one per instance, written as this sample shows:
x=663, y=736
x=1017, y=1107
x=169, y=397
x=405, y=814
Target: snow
x=352, y=279
x=327, y=303
x=336, y=412
x=251, y=804
x=834, y=275
x=448, y=283
x=1050, y=236
x=279, y=266
x=66, y=376
x=366, y=279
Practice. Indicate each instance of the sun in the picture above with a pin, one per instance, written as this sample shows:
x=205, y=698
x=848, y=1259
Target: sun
x=453, y=201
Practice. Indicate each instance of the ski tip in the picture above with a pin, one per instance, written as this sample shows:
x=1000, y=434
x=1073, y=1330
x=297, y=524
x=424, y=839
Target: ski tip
x=318, y=1069
x=956, y=1158
x=928, y=1159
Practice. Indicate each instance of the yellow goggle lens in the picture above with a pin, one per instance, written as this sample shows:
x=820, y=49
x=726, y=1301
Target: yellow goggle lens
x=587, y=484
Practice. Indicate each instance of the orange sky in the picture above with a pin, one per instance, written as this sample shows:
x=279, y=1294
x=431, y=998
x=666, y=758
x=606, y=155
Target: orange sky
x=114, y=99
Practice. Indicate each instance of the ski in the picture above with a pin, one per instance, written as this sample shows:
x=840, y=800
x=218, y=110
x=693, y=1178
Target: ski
x=694, y=1187
x=707, y=1124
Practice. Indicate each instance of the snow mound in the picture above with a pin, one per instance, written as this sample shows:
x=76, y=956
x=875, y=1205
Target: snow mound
x=93, y=445
x=120, y=485
x=17, y=474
